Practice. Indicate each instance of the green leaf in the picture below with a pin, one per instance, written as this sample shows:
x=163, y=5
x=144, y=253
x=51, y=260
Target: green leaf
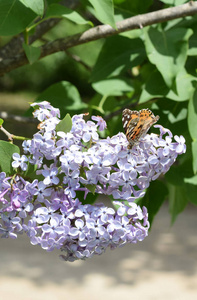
x=191, y=188
x=191, y=191
x=174, y=2
x=113, y=86
x=90, y=198
x=155, y=87
x=1, y=122
x=14, y=17
x=64, y=96
x=177, y=200
x=31, y=172
x=167, y=50
x=192, y=116
x=104, y=11
x=53, y=1
x=117, y=55
x=6, y=152
x=59, y=11
x=194, y=154
x=32, y=53
x=65, y=125
x=180, y=188
x=134, y=7
x=184, y=87
x=36, y=6
x=192, y=180
x=177, y=174
x=192, y=51
x=192, y=125
x=182, y=177
x=153, y=199
x=91, y=188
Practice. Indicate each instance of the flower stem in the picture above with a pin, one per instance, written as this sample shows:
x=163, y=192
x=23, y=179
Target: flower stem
x=12, y=137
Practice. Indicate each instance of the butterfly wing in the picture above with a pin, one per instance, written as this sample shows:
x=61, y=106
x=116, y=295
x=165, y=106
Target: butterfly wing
x=147, y=118
x=137, y=123
x=130, y=119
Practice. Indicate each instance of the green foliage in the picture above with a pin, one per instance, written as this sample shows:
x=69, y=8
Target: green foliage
x=177, y=200
x=174, y=2
x=167, y=50
x=32, y=53
x=6, y=152
x=65, y=124
x=153, y=67
x=113, y=86
x=90, y=198
x=11, y=21
x=64, y=96
x=59, y=11
x=117, y=55
x=104, y=11
x=35, y=5
x=192, y=124
x=154, y=198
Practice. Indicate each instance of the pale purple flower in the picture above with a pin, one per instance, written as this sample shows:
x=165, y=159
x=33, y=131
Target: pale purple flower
x=42, y=191
x=77, y=231
x=52, y=209
x=53, y=228
x=90, y=132
x=19, y=161
x=100, y=122
x=50, y=176
x=181, y=147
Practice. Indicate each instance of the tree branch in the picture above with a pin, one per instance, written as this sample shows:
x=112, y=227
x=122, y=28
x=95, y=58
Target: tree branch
x=103, y=31
x=14, y=47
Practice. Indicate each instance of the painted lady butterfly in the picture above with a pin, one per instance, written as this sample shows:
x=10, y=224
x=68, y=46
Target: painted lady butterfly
x=137, y=123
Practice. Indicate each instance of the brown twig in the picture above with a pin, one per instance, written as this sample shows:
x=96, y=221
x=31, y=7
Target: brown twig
x=78, y=59
x=103, y=31
x=11, y=136
x=14, y=47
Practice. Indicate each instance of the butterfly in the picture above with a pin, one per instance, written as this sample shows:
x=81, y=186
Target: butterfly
x=137, y=123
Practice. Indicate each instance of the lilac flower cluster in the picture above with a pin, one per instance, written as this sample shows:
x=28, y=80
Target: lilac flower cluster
x=47, y=208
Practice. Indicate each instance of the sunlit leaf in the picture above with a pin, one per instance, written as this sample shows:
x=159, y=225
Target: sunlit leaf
x=6, y=152
x=113, y=86
x=117, y=55
x=65, y=125
x=32, y=53
x=167, y=50
x=36, y=6
x=104, y=11
x=64, y=96
x=57, y=10
x=14, y=17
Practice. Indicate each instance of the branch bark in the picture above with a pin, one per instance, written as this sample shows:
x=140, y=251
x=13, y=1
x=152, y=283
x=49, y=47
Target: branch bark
x=102, y=31
x=14, y=47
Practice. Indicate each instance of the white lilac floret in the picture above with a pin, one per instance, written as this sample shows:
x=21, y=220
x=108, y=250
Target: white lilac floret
x=48, y=209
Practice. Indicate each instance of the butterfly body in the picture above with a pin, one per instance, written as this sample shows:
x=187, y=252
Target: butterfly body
x=137, y=123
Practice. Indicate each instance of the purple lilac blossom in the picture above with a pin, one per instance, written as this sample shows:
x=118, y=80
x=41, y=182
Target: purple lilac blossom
x=47, y=208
